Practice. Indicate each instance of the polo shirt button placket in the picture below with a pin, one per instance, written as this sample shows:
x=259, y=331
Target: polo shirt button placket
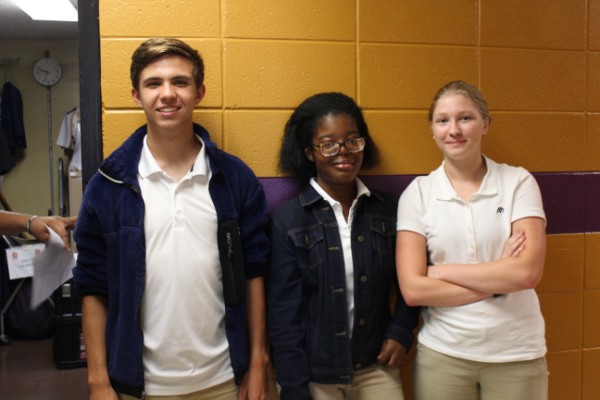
x=472, y=248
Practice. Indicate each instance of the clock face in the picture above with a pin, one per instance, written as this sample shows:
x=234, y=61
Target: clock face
x=47, y=71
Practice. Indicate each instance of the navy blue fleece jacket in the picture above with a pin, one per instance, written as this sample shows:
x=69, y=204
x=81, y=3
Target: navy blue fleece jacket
x=112, y=250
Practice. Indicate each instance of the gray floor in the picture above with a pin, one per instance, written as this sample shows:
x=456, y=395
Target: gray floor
x=27, y=372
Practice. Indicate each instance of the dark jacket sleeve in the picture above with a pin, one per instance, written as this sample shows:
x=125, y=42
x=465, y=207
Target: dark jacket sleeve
x=285, y=317
x=91, y=270
x=404, y=321
x=253, y=223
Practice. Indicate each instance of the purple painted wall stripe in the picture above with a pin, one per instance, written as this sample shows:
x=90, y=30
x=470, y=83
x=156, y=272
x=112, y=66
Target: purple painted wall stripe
x=591, y=192
x=571, y=199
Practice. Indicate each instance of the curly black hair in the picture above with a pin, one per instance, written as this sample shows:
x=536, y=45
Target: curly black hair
x=303, y=124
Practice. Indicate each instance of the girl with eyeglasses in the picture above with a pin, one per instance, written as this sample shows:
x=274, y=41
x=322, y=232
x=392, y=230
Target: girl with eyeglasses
x=471, y=247
x=331, y=274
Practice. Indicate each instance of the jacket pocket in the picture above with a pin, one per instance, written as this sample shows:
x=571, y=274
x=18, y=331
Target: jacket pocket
x=232, y=262
x=309, y=247
x=383, y=233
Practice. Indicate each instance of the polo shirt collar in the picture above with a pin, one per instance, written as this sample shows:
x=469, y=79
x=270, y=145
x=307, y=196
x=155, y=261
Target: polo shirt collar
x=489, y=185
x=361, y=189
x=149, y=166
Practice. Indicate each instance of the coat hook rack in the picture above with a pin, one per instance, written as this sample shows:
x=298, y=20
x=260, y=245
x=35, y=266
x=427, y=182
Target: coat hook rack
x=9, y=61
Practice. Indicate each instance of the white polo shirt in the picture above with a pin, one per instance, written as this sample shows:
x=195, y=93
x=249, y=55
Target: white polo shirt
x=345, y=229
x=69, y=137
x=183, y=313
x=503, y=329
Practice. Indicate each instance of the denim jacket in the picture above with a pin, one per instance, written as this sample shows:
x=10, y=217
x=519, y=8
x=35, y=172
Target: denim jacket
x=306, y=299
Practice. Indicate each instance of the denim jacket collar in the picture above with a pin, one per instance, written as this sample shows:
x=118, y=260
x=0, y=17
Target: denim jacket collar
x=309, y=196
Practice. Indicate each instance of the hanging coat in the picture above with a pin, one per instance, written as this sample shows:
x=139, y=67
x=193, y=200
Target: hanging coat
x=7, y=161
x=11, y=117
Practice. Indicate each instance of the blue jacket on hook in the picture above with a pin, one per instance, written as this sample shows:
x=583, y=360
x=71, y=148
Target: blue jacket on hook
x=11, y=111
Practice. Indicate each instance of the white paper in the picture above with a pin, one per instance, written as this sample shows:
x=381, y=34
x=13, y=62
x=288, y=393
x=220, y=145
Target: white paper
x=52, y=268
x=20, y=260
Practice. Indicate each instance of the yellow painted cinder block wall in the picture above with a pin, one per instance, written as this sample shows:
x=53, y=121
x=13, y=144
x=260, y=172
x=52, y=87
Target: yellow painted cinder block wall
x=263, y=57
x=538, y=62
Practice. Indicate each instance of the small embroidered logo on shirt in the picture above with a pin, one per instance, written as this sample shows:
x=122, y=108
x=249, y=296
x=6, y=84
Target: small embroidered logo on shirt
x=500, y=210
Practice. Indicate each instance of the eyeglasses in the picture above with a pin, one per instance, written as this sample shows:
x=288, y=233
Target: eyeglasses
x=330, y=149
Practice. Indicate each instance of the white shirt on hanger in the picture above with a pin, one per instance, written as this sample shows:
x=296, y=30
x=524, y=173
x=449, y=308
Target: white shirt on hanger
x=69, y=137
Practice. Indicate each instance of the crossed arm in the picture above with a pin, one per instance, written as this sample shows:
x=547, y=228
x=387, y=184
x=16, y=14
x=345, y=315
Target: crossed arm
x=459, y=284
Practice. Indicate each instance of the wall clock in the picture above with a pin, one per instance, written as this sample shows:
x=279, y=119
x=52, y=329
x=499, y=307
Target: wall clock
x=47, y=71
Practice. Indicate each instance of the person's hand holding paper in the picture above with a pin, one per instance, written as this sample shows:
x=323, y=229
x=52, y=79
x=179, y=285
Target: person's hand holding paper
x=52, y=268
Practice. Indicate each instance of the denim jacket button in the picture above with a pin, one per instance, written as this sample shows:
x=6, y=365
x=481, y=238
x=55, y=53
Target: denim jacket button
x=360, y=238
x=362, y=322
x=364, y=279
x=357, y=366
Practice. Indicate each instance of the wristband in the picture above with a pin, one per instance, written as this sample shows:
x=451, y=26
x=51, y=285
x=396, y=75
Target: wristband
x=29, y=222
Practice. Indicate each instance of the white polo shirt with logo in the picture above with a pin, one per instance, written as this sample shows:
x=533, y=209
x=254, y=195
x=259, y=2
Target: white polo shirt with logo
x=501, y=329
